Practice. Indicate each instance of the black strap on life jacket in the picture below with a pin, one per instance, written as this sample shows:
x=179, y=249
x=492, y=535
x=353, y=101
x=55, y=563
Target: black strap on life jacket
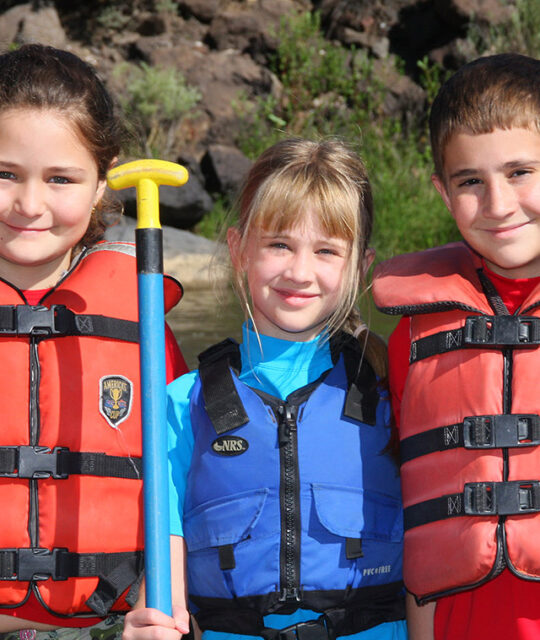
x=39, y=462
x=375, y=605
x=116, y=571
x=475, y=432
x=363, y=393
x=226, y=410
x=491, y=332
x=221, y=400
x=58, y=321
x=492, y=499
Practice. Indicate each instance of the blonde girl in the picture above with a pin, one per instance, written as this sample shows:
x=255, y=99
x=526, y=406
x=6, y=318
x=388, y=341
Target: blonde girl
x=282, y=487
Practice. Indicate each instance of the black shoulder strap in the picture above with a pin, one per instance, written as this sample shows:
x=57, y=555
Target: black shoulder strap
x=363, y=395
x=221, y=400
x=492, y=295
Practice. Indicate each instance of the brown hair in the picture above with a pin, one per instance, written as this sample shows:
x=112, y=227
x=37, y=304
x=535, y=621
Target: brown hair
x=41, y=77
x=499, y=91
x=330, y=179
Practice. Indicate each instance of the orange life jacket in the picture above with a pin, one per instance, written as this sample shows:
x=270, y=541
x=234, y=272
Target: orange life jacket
x=70, y=442
x=470, y=427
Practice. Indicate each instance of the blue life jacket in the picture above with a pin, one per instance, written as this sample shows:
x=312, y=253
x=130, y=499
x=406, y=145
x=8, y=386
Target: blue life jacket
x=292, y=504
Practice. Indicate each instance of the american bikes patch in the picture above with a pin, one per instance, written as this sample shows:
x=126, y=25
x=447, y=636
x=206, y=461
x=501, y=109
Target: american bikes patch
x=115, y=398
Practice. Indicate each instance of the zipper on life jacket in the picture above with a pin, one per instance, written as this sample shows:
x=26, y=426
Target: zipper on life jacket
x=508, y=362
x=289, y=504
x=507, y=355
x=34, y=426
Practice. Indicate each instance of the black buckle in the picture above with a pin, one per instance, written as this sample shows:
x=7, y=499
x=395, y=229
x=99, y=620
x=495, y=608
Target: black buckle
x=501, y=498
x=36, y=462
x=500, y=330
x=498, y=431
x=35, y=564
x=310, y=630
x=36, y=320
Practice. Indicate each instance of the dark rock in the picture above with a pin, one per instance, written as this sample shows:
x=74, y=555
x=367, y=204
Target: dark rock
x=379, y=46
x=402, y=95
x=372, y=17
x=459, y=12
x=203, y=10
x=164, y=51
x=149, y=48
x=152, y=25
x=225, y=79
x=193, y=166
x=254, y=31
x=454, y=54
x=418, y=30
x=225, y=168
x=180, y=207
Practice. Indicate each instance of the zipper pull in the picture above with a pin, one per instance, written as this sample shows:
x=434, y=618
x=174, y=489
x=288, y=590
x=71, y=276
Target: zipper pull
x=289, y=595
x=286, y=424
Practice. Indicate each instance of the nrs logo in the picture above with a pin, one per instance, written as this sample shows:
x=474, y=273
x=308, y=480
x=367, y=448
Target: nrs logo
x=230, y=445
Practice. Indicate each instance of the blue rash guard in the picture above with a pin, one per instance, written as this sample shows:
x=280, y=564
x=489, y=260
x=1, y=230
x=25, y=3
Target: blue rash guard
x=277, y=367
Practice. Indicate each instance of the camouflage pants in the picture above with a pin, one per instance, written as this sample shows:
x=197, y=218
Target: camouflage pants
x=109, y=629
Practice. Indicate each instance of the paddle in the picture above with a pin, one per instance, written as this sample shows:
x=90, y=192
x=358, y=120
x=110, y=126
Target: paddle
x=146, y=176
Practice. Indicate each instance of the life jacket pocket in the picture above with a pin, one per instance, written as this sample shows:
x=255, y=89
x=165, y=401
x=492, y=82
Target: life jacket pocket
x=227, y=538
x=360, y=536
x=223, y=521
x=351, y=512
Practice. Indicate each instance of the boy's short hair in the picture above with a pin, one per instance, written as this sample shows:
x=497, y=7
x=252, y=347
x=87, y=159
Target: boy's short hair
x=494, y=92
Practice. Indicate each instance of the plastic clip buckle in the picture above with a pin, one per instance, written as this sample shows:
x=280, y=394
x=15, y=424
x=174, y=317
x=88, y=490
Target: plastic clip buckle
x=39, y=462
x=37, y=320
x=310, y=630
x=502, y=498
x=500, y=431
x=499, y=330
x=39, y=564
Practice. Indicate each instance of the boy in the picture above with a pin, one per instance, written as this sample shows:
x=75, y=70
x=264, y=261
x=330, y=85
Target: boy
x=467, y=401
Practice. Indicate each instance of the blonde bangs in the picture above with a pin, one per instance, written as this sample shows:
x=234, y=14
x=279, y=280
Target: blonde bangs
x=284, y=201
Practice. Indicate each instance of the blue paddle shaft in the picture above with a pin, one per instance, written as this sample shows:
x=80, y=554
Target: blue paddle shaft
x=157, y=555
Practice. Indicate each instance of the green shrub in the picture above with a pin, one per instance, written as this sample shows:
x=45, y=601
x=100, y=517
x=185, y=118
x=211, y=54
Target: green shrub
x=112, y=17
x=521, y=34
x=155, y=100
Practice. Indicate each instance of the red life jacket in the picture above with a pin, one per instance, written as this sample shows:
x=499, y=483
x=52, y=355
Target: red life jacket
x=470, y=427
x=70, y=443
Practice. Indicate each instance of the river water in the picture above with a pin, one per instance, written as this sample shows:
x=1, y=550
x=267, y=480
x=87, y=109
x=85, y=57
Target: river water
x=201, y=320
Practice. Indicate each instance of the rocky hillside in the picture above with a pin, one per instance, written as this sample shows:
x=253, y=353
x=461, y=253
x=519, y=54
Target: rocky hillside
x=199, y=66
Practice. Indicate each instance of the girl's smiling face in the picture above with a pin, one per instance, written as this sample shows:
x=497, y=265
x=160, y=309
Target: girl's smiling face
x=48, y=187
x=294, y=277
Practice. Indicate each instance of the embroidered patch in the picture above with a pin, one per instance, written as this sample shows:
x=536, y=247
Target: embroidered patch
x=230, y=445
x=115, y=398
